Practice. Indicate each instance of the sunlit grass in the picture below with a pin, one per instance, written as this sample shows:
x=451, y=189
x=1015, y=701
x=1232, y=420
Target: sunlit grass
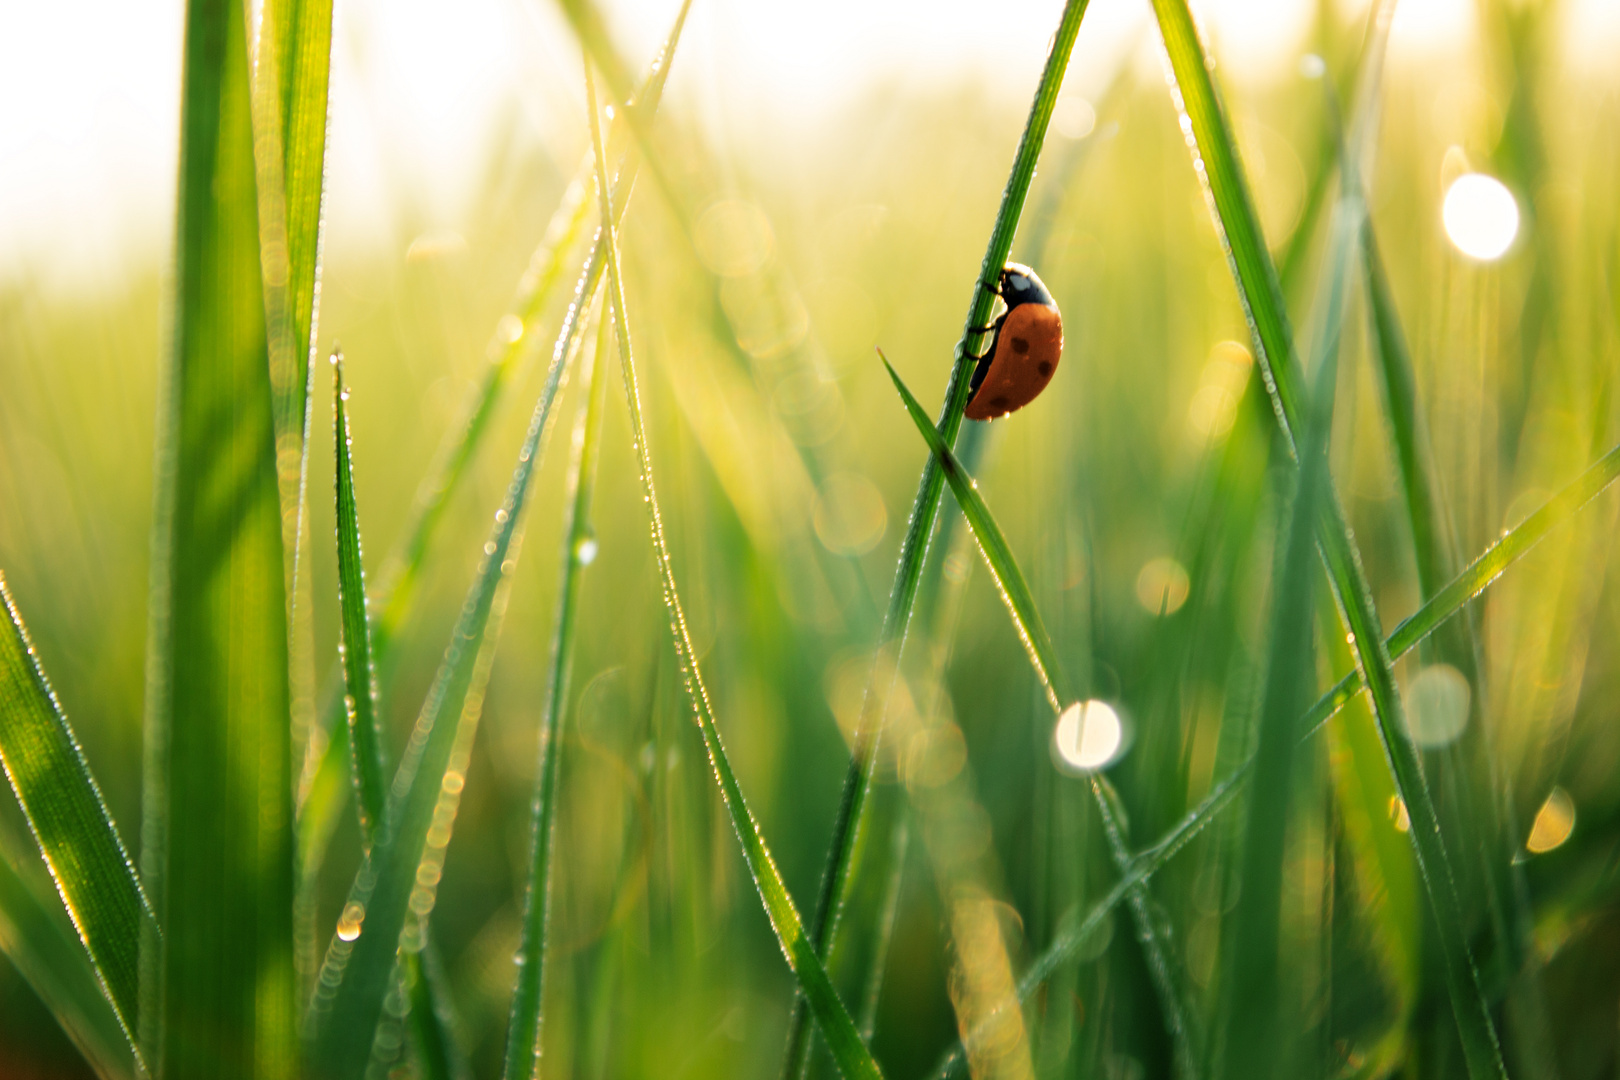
x=1144, y=500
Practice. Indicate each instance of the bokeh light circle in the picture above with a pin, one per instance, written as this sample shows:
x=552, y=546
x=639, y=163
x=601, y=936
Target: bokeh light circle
x=1089, y=735
x=1481, y=216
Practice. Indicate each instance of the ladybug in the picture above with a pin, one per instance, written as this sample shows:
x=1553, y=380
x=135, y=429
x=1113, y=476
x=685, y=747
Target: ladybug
x=1025, y=346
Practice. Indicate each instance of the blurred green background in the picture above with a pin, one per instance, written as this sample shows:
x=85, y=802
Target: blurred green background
x=1140, y=493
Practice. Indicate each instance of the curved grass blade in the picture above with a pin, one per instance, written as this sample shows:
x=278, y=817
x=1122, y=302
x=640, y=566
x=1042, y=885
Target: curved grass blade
x=847, y=825
x=524, y=1025
x=1020, y=602
x=839, y=1031
x=326, y=789
x=358, y=973
x=1209, y=136
x=1445, y=604
x=220, y=998
x=68, y=817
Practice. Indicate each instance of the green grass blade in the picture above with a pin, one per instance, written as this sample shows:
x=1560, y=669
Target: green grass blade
x=524, y=1026
x=77, y=839
x=1219, y=168
x=217, y=838
x=1020, y=602
x=40, y=942
x=326, y=787
x=1004, y=571
x=1255, y=1033
x=839, y=1031
x=300, y=33
x=358, y=974
x=1444, y=605
x=847, y=825
x=436, y=1051
x=354, y=645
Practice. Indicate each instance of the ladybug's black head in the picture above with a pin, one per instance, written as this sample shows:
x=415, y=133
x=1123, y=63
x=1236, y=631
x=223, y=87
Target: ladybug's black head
x=1021, y=285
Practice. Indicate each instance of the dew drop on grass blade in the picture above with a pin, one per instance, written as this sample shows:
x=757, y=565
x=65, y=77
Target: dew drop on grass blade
x=436, y=1050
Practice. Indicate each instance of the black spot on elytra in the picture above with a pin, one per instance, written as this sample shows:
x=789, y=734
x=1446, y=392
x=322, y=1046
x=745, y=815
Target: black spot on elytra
x=1044, y=368
x=1020, y=345
x=999, y=404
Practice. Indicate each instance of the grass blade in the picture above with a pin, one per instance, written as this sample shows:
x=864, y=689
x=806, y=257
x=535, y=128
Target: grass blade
x=1255, y=1033
x=297, y=43
x=436, y=1049
x=1020, y=602
x=40, y=942
x=68, y=817
x=1210, y=138
x=354, y=644
x=839, y=1031
x=847, y=825
x=1444, y=605
x=217, y=837
x=358, y=972
x=523, y=1045
x=325, y=788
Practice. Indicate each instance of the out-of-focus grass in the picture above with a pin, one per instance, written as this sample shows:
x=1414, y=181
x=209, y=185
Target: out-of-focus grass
x=785, y=472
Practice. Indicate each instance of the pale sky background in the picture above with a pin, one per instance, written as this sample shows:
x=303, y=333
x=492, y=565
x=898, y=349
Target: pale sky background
x=90, y=90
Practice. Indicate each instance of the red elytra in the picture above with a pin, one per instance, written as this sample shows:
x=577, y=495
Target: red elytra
x=1025, y=347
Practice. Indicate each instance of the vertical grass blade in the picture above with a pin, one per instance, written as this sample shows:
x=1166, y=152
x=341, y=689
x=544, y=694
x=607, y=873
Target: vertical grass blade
x=358, y=972
x=1446, y=604
x=513, y=339
x=1256, y=1032
x=435, y=1049
x=523, y=1045
x=1209, y=136
x=1031, y=629
x=835, y=883
x=354, y=646
x=217, y=840
x=76, y=836
x=839, y=1031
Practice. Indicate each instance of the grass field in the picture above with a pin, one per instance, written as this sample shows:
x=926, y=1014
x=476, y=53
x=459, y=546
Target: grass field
x=839, y=762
